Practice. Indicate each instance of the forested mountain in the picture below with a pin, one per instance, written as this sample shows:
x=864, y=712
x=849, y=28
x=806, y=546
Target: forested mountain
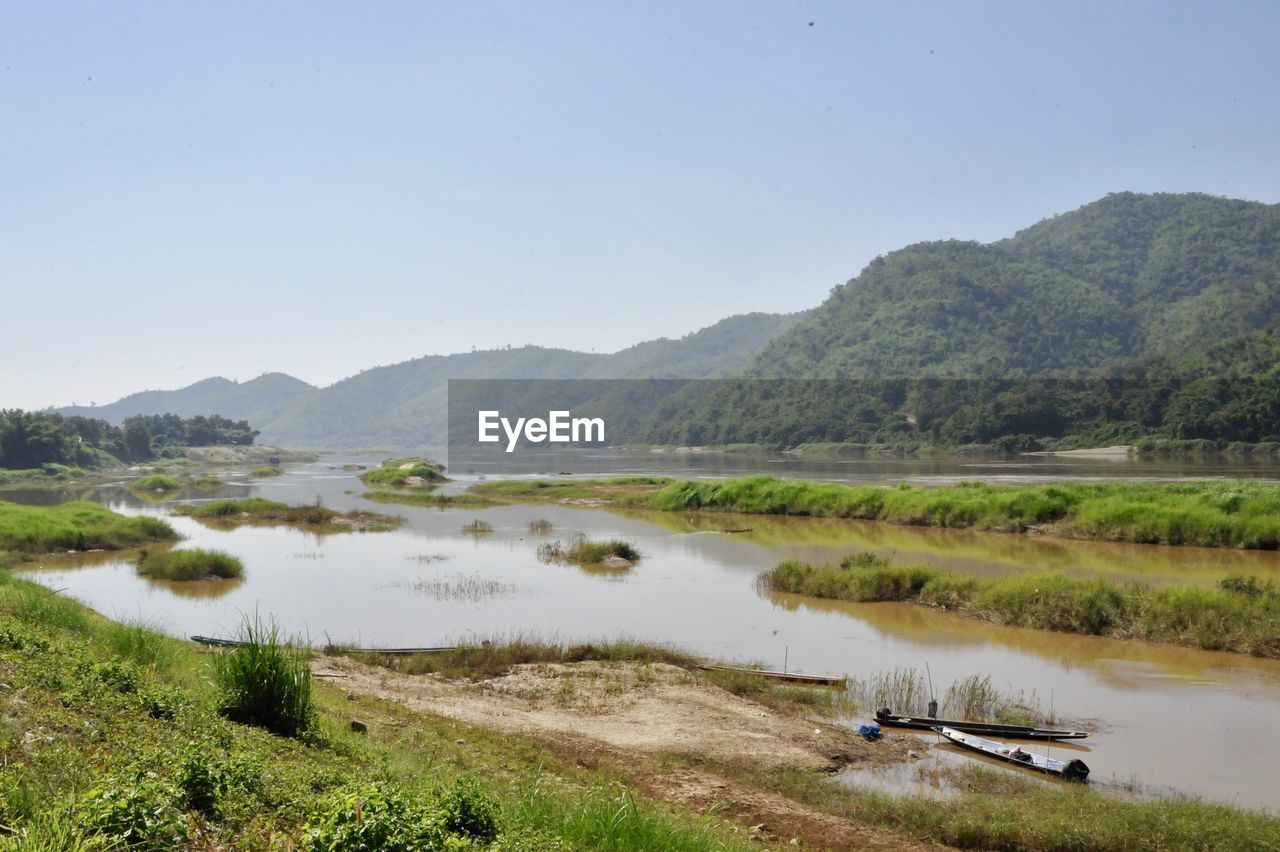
x=403, y=405
x=1127, y=276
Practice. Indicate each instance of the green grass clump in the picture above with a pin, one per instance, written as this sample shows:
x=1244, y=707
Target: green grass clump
x=266, y=682
x=1241, y=615
x=156, y=482
x=583, y=551
x=478, y=527
x=397, y=472
x=78, y=525
x=194, y=564
x=267, y=470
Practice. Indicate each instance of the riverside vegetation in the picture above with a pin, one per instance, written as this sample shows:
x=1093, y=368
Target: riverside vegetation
x=1242, y=614
x=1220, y=513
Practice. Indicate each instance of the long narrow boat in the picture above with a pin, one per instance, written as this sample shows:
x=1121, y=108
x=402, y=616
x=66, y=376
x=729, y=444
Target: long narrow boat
x=1021, y=732
x=337, y=649
x=815, y=680
x=1072, y=770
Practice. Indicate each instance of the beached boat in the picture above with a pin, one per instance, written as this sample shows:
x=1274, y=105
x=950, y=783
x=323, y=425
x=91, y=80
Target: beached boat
x=792, y=677
x=1072, y=770
x=1019, y=732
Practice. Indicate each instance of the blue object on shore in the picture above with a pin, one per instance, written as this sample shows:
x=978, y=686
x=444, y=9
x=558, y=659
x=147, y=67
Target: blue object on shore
x=871, y=732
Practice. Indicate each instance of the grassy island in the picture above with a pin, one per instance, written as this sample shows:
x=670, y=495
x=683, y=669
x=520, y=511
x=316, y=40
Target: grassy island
x=189, y=565
x=256, y=510
x=402, y=473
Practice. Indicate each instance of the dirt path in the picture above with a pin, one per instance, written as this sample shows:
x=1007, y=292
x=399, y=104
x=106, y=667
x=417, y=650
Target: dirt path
x=619, y=709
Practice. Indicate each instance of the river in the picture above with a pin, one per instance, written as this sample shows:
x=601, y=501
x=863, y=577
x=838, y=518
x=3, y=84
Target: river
x=1170, y=720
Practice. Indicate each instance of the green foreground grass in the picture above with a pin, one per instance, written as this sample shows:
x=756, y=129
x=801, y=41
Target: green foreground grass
x=138, y=714
x=1241, y=614
x=1224, y=513
x=257, y=510
x=81, y=525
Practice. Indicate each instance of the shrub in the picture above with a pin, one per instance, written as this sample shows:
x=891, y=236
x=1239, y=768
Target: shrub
x=265, y=682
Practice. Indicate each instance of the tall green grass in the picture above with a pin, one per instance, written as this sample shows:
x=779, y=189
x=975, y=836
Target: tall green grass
x=1233, y=617
x=266, y=682
x=78, y=525
x=1212, y=513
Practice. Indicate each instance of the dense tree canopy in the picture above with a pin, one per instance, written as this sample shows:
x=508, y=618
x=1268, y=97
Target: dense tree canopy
x=30, y=439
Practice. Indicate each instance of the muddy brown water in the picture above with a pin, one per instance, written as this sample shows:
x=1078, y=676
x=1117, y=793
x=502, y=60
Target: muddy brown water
x=1174, y=720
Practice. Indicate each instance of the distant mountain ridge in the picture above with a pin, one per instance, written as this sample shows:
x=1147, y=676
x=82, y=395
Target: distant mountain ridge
x=403, y=405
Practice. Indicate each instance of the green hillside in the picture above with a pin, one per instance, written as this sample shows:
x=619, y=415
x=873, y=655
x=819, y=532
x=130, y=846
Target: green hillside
x=1126, y=276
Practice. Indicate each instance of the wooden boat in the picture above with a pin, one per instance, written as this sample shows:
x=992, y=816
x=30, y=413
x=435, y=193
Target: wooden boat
x=791, y=677
x=1018, y=732
x=1072, y=770
x=332, y=649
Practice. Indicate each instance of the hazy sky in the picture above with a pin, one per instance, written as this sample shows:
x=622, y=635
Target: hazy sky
x=221, y=188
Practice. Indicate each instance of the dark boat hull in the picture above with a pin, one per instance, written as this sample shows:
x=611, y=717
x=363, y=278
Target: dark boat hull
x=1020, y=732
x=1071, y=770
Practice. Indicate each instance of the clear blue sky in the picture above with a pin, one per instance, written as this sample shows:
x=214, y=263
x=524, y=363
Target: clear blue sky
x=196, y=189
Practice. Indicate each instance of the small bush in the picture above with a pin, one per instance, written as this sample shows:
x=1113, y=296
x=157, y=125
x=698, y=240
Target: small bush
x=375, y=816
x=469, y=810
x=195, y=564
x=265, y=682
x=137, y=811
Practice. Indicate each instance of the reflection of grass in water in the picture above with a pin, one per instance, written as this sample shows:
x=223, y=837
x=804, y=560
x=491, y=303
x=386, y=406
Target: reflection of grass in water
x=427, y=558
x=478, y=527
x=197, y=589
x=905, y=690
x=540, y=527
x=471, y=588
